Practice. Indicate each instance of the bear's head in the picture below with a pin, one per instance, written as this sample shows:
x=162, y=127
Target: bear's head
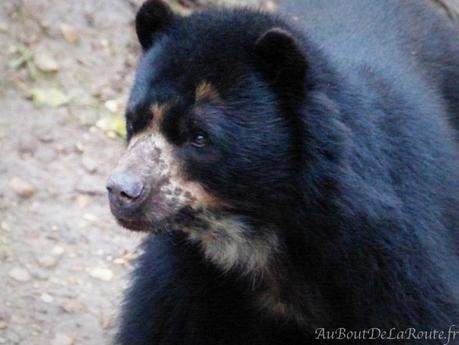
x=211, y=123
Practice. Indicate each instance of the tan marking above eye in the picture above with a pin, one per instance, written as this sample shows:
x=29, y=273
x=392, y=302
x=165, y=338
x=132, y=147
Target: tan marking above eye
x=157, y=112
x=205, y=91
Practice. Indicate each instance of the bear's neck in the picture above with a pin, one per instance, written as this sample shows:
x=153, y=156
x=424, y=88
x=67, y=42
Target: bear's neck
x=258, y=255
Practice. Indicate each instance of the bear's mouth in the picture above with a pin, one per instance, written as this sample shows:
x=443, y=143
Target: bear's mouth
x=134, y=225
x=183, y=217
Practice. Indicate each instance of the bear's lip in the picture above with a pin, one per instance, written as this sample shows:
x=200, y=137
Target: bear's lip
x=133, y=225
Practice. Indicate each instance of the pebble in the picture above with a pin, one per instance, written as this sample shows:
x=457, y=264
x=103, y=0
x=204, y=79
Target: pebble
x=61, y=339
x=126, y=259
x=47, y=261
x=47, y=298
x=45, y=62
x=3, y=325
x=22, y=187
x=69, y=33
x=114, y=106
x=82, y=201
x=5, y=226
x=58, y=250
x=89, y=164
x=79, y=147
x=45, y=137
x=19, y=274
x=103, y=274
x=40, y=275
x=90, y=217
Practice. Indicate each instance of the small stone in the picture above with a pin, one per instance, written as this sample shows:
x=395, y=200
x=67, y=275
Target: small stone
x=79, y=147
x=61, y=339
x=82, y=201
x=5, y=226
x=47, y=298
x=46, y=137
x=126, y=259
x=3, y=325
x=69, y=33
x=47, y=261
x=103, y=274
x=40, y=275
x=90, y=217
x=58, y=250
x=45, y=62
x=114, y=106
x=19, y=274
x=89, y=164
x=22, y=187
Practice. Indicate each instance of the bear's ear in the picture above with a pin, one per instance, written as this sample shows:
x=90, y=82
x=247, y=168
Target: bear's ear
x=280, y=59
x=152, y=18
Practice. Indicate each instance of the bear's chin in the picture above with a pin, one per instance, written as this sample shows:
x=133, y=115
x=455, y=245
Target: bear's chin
x=183, y=217
x=135, y=225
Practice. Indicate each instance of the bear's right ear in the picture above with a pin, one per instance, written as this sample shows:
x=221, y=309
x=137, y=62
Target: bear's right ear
x=281, y=60
x=152, y=18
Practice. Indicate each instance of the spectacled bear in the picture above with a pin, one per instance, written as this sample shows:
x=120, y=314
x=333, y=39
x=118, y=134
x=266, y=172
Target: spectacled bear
x=298, y=177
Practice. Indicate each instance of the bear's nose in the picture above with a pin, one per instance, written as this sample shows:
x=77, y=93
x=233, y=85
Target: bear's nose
x=124, y=189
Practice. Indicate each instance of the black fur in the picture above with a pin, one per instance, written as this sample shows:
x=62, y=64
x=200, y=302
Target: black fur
x=333, y=131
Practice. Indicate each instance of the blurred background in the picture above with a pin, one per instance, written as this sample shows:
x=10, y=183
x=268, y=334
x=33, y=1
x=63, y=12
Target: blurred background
x=65, y=71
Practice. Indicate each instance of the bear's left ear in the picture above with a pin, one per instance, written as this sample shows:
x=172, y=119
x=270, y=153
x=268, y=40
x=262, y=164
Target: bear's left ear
x=280, y=59
x=152, y=18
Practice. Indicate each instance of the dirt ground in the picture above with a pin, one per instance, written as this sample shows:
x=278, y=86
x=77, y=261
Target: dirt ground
x=65, y=69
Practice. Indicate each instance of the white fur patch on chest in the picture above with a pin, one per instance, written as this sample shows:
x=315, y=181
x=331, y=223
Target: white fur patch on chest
x=229, y=243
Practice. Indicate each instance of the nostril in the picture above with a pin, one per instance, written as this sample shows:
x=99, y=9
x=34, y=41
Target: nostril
x=129, y=196
x=131, y=191
x=124, y=187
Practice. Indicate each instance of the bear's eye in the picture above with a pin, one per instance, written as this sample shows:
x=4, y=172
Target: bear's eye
x=199, y=139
